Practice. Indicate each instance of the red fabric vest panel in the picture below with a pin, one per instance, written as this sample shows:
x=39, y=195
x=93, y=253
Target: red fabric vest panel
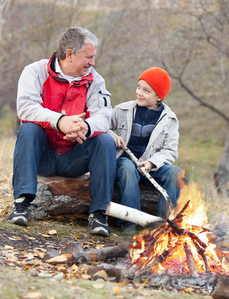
x=70, y=99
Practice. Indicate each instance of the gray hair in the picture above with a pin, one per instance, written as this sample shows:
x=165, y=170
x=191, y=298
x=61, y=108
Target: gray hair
x=75, y=38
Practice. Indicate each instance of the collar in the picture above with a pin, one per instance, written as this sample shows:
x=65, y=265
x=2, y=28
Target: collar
x=69, y=78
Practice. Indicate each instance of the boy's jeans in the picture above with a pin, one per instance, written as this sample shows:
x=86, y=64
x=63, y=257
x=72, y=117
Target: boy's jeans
x=128, y=178
x=33, y=156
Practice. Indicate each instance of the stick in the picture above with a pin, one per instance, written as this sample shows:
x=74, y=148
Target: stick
x=133, y=215
x=190, y=260
x=151, y=179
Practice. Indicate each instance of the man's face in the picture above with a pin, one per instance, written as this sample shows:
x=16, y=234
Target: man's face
x=83, y=60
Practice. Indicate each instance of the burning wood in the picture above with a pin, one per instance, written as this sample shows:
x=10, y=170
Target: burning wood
x=178, y=246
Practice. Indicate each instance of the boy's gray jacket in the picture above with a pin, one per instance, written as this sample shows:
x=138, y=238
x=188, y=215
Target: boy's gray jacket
x=163, y=143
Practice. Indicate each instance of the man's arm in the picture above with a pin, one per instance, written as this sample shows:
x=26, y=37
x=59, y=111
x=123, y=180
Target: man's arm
x=29, y=96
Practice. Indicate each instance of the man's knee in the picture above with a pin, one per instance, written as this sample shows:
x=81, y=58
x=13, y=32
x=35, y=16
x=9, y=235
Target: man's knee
x=30, y=129
x=105, y=139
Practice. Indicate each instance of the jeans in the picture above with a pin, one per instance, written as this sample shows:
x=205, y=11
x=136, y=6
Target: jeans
x=128, y=178
x=33, y=156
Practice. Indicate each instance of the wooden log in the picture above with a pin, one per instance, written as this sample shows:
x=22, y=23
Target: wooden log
x=102, y=254
x=190, y=260
x=221, y=290
x=61, y=196
x=132, y=215
x=94, y=255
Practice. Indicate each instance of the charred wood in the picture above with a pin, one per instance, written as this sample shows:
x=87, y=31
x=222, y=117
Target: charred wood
x=190, y=260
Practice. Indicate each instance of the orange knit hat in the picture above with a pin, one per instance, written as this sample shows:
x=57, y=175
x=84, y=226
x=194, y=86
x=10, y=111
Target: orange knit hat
x=158, y=79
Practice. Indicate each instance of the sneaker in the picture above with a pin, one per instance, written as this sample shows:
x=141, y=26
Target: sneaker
x=98, y=225
x=20, y=211
x=128, y=228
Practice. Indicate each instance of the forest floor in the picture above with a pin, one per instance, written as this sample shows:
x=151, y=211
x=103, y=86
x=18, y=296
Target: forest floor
x=23, y=249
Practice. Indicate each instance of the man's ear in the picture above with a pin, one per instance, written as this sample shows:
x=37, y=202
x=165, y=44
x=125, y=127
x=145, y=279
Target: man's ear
x=69, y=54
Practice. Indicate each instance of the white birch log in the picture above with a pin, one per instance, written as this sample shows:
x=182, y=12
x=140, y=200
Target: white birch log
x=133, y=215
x=151, y=179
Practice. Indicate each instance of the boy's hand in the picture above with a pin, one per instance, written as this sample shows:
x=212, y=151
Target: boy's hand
x=119, y=141
x=147, y=164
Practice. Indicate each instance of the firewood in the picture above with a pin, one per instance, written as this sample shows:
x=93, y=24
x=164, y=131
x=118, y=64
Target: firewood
x=221, y=290
x=201, y=253
x=102, y=254
x=190, y=260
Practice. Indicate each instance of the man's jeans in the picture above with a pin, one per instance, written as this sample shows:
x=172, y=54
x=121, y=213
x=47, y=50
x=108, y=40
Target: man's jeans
x=33, y=156
x=128, y=178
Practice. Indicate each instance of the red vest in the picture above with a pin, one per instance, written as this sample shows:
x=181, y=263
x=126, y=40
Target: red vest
x=70, y=99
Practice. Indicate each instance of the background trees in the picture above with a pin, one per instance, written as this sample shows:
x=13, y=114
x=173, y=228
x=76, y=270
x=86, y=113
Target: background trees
x=187, y=38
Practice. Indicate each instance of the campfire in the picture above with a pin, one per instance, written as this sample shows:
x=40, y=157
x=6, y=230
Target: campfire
x=181, y=244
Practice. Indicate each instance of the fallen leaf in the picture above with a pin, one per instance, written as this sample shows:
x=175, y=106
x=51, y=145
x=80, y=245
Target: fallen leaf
x=29, y=256
x=99, y=246
x=8, y=247
x=52, y=232
x=60, y=258
x=33, y=295
x=14, y=238
x=46, y=236
x=30, y=238
x=86, y=276
x=98, y=285
x=116, y=290
x=188, y=290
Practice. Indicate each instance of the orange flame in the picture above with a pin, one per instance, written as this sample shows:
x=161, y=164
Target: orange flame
x=181, y=245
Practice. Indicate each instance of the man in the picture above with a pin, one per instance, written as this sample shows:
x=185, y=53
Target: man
x=65, y=111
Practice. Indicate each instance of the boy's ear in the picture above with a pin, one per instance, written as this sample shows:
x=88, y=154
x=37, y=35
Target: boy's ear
x=159, y=100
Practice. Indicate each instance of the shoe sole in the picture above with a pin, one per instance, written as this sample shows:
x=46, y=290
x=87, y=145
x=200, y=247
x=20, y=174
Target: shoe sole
x=19, y=221
x=99, y=231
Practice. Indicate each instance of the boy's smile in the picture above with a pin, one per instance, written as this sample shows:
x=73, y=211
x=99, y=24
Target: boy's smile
x=146, y=96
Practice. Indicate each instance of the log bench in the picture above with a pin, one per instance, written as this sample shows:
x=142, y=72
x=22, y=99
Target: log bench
x=61, y=196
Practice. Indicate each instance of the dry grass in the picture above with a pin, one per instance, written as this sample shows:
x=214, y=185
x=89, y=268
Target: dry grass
x=15, y=284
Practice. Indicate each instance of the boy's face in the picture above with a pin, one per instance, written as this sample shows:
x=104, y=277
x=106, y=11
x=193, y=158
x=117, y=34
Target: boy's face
x=146, y=96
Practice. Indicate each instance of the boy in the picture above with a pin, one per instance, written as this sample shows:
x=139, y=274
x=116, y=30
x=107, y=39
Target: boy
x=150, y=130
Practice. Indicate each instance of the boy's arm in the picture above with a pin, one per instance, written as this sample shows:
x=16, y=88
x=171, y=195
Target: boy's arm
x=169, y=152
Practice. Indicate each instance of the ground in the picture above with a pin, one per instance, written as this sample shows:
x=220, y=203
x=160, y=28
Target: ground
x=23, y=254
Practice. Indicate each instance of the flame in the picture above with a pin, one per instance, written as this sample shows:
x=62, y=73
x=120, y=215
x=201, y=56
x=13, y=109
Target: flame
x=181, y=245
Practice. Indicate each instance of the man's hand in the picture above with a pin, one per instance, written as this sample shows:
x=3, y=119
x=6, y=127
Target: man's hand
x=119, y=141
x=74, y=127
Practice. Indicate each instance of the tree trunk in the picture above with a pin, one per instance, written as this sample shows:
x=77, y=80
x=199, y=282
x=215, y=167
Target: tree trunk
x=221, y=175
x=61, y=196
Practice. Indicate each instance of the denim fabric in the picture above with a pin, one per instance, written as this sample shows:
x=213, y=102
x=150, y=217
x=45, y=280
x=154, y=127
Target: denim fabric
x=128, y=177
x=33, y=156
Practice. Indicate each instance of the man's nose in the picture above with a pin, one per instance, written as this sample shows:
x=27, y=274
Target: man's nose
x=92, y=61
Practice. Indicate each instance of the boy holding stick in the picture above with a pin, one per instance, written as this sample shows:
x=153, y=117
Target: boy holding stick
x=150, y=130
